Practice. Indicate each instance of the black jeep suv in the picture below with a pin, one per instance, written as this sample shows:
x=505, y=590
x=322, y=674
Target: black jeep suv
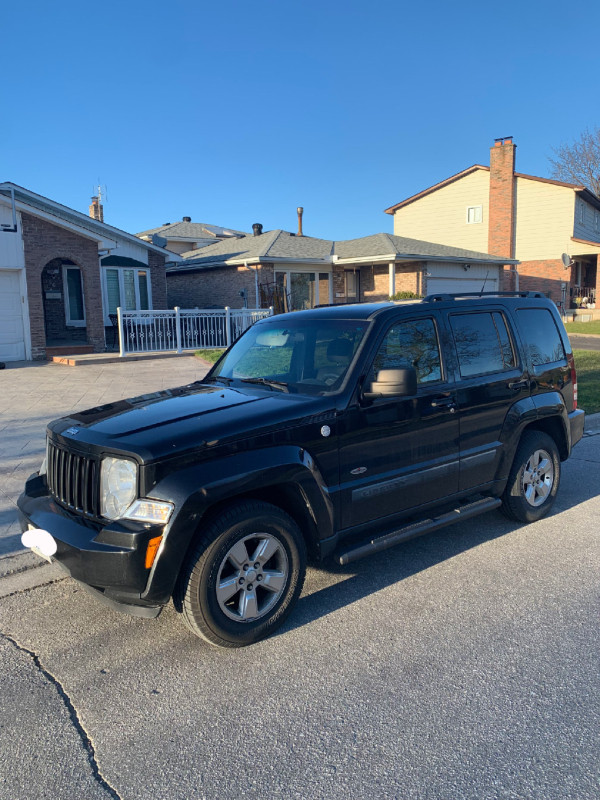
x=337, y=431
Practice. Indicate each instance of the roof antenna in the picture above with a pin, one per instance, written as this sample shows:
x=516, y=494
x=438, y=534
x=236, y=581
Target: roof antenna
x=101, y=192
x=485, y=281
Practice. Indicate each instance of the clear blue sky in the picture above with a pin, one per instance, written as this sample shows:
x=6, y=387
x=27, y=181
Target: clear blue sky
x=237, y=112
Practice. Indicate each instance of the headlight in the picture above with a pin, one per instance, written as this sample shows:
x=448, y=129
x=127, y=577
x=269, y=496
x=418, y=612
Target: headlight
x=118, y=486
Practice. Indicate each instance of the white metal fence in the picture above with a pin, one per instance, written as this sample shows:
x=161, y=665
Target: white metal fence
x=182, y=329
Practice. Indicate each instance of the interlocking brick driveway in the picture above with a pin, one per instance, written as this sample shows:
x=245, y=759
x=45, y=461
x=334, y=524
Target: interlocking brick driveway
x=33, y=394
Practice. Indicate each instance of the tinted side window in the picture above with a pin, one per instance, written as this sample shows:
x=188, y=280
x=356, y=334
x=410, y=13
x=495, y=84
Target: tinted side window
x=413, y=343
x=540, y=335
x=482, y=343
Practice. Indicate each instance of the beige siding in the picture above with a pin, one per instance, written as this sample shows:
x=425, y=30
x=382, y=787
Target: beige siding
x=179, y=247
x=544, y=214
x=441, y=216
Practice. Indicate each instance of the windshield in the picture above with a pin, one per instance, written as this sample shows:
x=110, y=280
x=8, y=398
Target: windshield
x=306, y=355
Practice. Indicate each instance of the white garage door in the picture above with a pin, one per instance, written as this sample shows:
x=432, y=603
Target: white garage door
x=458, y=285
x=12, y=339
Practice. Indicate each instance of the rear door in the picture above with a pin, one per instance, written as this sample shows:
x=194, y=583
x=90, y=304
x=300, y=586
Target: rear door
x=402, y=452
x=491, y=377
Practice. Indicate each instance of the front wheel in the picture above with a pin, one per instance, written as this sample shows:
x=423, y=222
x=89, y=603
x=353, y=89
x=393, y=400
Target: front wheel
x=534, y=478
x=245, y=574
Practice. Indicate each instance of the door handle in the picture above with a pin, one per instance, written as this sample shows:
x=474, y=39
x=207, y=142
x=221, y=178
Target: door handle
x=444, y=402
x=516, y=385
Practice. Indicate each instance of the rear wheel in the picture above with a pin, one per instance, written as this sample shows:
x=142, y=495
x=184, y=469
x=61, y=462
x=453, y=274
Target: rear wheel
x=534, y=478
x=245, y=574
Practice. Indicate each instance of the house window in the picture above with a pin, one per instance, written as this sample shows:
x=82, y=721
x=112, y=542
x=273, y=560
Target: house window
x=581, y=212
x=73, y=289
x=596, y=221
x=125, y=287
x=474, y=214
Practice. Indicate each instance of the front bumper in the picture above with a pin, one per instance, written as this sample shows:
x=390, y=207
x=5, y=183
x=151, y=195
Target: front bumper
x=108, y=559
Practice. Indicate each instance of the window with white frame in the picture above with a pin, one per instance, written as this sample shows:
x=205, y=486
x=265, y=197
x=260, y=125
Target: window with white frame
x=474, y=214
x=581, y=212
x=73, y=293
x=126, y=287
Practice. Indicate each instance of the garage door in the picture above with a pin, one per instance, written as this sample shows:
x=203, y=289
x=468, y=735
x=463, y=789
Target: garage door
x=12, y=339
x=458, y=285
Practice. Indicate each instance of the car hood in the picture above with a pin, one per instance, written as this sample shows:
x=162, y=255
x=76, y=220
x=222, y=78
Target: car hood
x=175, y=420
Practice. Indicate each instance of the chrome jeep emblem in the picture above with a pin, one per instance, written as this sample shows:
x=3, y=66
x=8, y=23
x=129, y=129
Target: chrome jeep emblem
x=72, y=431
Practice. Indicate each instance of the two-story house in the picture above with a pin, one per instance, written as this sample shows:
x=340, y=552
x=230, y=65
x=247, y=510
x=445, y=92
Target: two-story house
x=534, y=220
x=187, y=236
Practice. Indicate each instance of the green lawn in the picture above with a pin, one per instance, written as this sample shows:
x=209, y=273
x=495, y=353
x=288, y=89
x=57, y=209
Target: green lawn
x=209, y=355
x=587, y=363
x=583, y=327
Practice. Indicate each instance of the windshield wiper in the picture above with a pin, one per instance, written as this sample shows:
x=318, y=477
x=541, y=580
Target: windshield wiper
x=267, y=382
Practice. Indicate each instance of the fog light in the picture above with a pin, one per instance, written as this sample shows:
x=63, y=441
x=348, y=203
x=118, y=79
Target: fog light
x=153, y=511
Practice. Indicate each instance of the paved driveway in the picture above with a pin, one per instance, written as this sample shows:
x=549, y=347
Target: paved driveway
x=32, y=394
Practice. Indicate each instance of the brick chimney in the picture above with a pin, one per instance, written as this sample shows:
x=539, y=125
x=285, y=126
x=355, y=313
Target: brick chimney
x=97, y=210
x=501, y=238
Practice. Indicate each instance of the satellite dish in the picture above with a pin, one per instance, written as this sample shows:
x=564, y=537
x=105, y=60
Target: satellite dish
x=157, y=240
x=566, y=259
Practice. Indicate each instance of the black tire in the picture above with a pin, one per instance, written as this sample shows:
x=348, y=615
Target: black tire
x=244, y=575
x=533, y=479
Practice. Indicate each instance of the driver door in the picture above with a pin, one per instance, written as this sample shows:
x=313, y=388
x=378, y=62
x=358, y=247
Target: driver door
x=398, y=453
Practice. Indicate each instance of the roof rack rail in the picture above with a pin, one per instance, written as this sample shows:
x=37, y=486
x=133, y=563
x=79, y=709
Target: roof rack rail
x=438, y=298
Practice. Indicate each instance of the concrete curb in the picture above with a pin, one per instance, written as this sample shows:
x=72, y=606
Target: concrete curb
x=25, y=570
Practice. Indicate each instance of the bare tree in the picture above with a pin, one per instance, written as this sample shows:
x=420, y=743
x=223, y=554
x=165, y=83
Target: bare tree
x=579, y=162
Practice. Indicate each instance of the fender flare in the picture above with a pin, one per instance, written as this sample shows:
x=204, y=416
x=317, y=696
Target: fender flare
x=197, y=489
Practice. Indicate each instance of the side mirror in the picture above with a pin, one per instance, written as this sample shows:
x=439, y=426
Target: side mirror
x=393, y=383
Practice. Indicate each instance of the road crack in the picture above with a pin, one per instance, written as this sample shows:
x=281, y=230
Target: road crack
x=74, y=716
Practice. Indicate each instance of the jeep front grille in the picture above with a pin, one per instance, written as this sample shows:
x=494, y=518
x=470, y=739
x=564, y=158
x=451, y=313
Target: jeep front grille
x=73, y=480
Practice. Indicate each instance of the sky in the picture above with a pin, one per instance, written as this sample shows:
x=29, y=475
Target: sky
x=238, y=112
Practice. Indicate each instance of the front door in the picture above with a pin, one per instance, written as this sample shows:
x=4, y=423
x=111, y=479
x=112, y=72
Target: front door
x=400, y=453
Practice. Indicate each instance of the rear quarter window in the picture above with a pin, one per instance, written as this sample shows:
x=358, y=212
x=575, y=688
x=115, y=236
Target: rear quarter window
x=540, y=335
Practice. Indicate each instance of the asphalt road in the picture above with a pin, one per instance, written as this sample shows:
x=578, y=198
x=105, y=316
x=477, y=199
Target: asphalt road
x=460, y=666
x=579, y=342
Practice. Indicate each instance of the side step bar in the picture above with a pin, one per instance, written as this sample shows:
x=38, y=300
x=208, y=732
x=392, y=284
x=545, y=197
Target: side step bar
x=418, y=529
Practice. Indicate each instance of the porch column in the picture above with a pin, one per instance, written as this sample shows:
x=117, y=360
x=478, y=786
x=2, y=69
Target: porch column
x=392, y=281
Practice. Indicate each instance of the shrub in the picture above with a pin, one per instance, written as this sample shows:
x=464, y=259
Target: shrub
x=405, y=296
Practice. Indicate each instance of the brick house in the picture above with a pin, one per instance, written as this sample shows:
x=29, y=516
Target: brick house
x=63, y=273
x=534, y=220
x=291, y=271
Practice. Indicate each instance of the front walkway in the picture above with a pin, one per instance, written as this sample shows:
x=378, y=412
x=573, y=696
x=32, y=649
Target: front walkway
x=32, y=394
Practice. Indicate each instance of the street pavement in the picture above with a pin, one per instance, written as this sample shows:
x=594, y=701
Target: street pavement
x=582, y=342
x=462, y=665
x=459, y=666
